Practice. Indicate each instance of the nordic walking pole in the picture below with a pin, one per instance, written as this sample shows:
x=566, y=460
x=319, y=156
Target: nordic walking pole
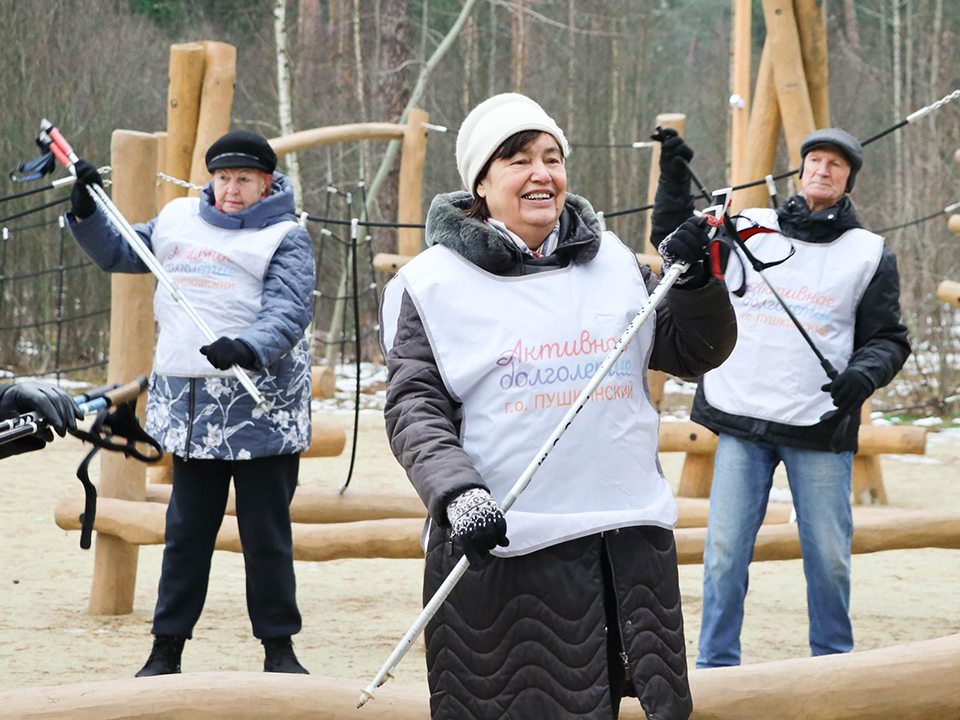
x=827, y=366
x=67, y=157
x=461, y=567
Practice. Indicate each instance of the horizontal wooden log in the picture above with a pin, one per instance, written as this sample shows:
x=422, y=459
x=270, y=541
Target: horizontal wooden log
x=142, y=523
x=651, y=260
x=874, y=530
x=334, y=134
x=324, y=382
x=326, y=441
x=313, y=504
x=389, y=262
x=691, y=437
x=949, y=292
x=694, y=511
x=914, y=681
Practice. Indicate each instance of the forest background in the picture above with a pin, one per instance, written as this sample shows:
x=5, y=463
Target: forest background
x=603, y=68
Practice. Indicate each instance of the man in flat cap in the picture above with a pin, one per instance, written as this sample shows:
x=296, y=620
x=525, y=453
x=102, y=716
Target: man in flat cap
x=771, y=401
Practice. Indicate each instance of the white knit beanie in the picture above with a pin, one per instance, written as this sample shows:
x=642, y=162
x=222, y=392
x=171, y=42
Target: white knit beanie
x=493, y=121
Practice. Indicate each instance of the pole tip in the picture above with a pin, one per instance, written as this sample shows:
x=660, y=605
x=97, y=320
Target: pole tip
x=364, y=696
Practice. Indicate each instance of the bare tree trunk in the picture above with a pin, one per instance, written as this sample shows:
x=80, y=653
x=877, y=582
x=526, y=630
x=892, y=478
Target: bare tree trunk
x=469, y=40
x=492, y=62
x=393, y=93
x=571, y=64
x=852, y=26
x=358, y=62
x=614, y=121
x=283, y=96
x=308, y=52
x=518, y=30
x=936, y=38
x=424, y=29
x=897, y=108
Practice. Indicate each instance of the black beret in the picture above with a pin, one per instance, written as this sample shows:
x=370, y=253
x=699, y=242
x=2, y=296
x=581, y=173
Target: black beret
x=241, y=149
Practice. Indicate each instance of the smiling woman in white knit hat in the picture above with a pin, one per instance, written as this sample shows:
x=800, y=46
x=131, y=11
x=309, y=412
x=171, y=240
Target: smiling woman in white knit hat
x=572, y=600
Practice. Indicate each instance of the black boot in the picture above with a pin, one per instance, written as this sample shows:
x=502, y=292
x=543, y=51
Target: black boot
x=164, y=658
x=279, y=656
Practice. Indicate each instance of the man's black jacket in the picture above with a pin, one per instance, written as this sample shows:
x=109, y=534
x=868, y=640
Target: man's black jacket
x=880, y=345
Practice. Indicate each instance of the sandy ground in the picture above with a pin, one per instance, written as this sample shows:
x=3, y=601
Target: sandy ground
x=354, y=611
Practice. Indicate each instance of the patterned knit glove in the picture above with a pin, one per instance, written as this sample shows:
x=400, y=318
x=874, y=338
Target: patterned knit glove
x=478, y=525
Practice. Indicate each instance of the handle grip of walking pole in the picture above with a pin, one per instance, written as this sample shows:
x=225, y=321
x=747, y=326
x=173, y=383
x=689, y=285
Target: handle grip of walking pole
x=61, y=156
x=58, y=139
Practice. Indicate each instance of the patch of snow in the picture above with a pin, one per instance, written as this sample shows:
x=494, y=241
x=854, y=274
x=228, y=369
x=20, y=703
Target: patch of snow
x=781, y=495
x=915, y=459
x=680, y=387
x=928, y=422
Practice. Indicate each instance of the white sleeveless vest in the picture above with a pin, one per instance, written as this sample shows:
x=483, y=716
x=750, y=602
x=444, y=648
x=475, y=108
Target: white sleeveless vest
x=220, y=271
x=772, y=374
x=516, y=351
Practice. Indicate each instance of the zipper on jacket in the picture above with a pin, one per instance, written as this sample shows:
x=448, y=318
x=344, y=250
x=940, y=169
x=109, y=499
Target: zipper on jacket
x=193, y=407
x=613, y=585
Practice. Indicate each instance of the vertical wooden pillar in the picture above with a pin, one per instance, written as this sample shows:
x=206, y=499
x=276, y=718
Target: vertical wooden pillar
x=812, y=26
x=413, y=154
x=161, y=167
x=677, y=121
x=788, y=75
x=867, y=478
x=183, y=109
x=216, y=100
x=763, y=133
x=740, y=82
x=696, y=477
x=134, y=162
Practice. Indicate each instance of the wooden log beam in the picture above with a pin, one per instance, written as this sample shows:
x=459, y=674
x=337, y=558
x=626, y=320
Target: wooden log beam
x=949, y=292
x=134, y=161
x=690, y=437
x=324, y=382
x=313, y=504
x=740, y=81
x=142, y=523
x=651, y=260
x=413, y=155
x=216, y=100
x=812, y=27
x=183, y=109
x=763, y=134
x=336, y=134
x=874, y=530
x=790, y=81
x=389, y=262
x=914, y=681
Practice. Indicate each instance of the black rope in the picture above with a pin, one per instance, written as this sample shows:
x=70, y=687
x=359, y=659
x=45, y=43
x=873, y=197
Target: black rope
x=358, y=349
x=618, y=213
x=49, y=271
x=34, y=210
x=364, y=223
x=34, y=226
x=918, y=221
x=603, y=145
x=44, y=323
x=26, y=193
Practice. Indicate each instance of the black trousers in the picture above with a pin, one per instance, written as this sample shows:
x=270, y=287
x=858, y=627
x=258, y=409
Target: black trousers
x=264, y=489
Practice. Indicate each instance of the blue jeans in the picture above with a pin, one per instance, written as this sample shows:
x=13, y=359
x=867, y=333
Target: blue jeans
x=820, y=484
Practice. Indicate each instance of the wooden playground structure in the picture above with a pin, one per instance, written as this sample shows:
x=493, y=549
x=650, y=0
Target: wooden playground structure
x=907, y=681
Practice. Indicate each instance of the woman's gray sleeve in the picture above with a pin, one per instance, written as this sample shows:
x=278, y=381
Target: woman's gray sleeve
x=422, y=419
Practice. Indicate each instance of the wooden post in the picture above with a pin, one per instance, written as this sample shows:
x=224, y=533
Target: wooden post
x=812, y=26
x=789, y=78
x=740, y=82
x=763, y=133
x=213, y=121
x=183, y=109
x=412, y=157
x=677, y=121
x=134, y=161
x=219, y=74
x=161, y=167
x=867, y=478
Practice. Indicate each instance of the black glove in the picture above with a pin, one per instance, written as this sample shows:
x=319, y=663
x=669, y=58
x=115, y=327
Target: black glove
x=688, y=243
x=226, y=352
x=673, y=147
x=478, y=525
x=850, y=390
x=82, y=205
x=52, y=403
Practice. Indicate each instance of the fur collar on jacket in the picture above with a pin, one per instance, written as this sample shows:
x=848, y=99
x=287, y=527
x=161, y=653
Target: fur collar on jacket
x=448, y=225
